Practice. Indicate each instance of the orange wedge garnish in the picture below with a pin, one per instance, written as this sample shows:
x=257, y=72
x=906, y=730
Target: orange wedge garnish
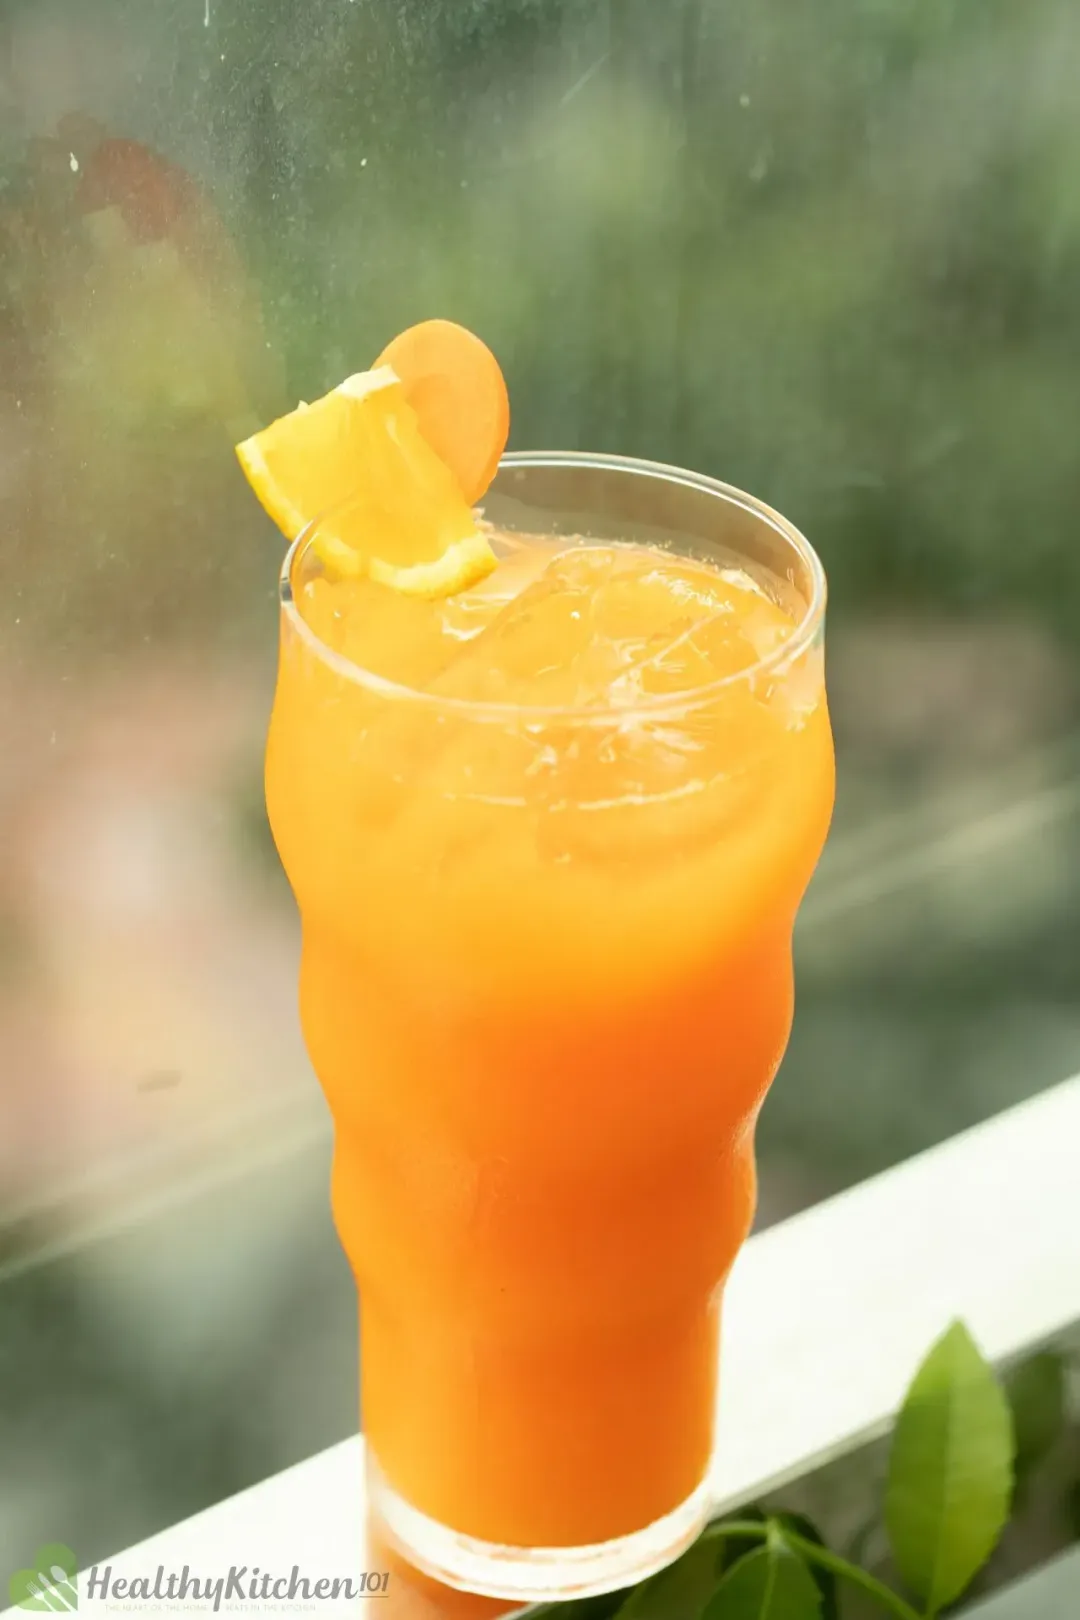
x=454, y=384
x=388, y=506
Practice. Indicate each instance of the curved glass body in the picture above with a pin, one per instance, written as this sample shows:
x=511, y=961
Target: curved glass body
x=546, y=982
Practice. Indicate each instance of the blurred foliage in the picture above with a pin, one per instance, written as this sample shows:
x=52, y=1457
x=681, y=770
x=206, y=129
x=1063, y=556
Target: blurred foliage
x=829, y=253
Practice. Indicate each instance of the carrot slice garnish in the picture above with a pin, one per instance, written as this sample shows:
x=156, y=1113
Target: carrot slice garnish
x=454, y=384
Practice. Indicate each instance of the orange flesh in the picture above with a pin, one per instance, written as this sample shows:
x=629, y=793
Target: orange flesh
x=545, y=983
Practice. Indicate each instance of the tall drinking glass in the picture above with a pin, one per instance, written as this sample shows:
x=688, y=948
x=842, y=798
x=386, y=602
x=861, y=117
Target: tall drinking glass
x=545, y=983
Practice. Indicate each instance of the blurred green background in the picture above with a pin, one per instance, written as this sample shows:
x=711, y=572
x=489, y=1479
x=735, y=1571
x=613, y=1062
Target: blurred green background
x=830, y=253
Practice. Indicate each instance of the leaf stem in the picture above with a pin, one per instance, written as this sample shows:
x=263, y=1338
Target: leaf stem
x=751, y=1529
x=824, y=1559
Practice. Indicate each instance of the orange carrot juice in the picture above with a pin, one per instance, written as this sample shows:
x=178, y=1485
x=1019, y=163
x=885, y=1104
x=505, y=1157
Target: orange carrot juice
x=548, y=837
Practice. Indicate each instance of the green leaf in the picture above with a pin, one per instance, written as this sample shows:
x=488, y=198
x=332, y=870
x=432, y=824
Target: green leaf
x=679, y=1592
x=823, y=1579
x=1036, y=1391
x=769, y=1584
x=950, y=1471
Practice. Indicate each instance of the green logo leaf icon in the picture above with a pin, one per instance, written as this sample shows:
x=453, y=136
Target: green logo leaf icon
x=51, y=1585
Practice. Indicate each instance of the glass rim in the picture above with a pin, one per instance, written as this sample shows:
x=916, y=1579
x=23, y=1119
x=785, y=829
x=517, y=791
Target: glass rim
x=806, y=630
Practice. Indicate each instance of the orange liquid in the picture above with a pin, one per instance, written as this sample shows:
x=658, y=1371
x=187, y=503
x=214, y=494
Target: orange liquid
x=545, y=983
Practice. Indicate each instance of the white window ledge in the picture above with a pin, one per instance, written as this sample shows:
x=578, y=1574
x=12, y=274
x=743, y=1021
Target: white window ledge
x=827, y=1316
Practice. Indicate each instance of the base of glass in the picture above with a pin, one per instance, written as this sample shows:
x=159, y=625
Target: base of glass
x=533, y=1574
